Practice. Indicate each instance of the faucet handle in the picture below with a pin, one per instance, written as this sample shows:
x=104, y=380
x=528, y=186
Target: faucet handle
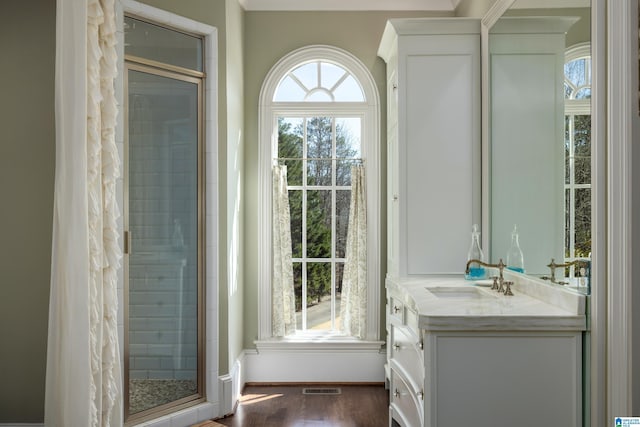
x=494, y=287
x=507, y=291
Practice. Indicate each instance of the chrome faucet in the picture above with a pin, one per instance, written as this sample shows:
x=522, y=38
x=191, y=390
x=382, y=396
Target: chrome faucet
x=500, y=266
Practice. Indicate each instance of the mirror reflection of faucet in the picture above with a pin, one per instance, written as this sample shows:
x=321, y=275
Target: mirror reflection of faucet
x=585, y=271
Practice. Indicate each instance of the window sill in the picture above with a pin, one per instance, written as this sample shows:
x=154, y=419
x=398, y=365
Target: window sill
x=317, y=343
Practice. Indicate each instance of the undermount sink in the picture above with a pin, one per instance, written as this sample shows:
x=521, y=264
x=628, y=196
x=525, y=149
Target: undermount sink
x=449, y=292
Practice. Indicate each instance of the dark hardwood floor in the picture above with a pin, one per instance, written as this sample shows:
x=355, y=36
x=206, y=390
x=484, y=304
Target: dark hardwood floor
x=287, y=406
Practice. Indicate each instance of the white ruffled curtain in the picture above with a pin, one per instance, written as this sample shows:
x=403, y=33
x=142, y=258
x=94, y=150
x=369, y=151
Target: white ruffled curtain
x=83, y=380
x=283, y=311
x=353, y=300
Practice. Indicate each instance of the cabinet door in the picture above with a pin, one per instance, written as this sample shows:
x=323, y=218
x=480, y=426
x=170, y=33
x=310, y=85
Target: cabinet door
x=439, y=151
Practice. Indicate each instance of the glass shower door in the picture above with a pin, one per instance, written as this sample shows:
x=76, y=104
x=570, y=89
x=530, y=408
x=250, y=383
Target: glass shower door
x=163, y=219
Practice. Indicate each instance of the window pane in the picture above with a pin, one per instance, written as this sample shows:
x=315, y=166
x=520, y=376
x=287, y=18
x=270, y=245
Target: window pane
x=343, y=172
x=348, y=137
x=584, y=93
x=575, y=72
x=289, y=137
x=330, y=74
x=319, y=95
x=343, y=202
x=157, y=43
x=289, y=91
x=568, y=120
x=583, y=222
x=297, y=289
x=319, y=295
x=567, y=222
x=568, y=90
x=319, y=172
x=319, y=137
x=307, y=74
x=349, y=91
x=319, y=223
x=582, y=149
x=295, y=209
x=290, y=146
x=339, y=276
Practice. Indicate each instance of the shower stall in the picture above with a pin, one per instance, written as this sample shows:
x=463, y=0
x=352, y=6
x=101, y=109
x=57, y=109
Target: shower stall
x=163, y=220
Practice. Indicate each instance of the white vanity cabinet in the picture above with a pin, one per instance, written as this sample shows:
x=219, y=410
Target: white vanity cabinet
x=405, y=364
x=485, y=361
x=433, y=142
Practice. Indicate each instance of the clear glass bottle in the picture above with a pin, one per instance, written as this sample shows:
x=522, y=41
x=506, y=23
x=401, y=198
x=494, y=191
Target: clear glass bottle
x=475, y=252
x=515, y=258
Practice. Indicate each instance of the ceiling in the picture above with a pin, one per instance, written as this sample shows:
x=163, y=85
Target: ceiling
x=422, y=5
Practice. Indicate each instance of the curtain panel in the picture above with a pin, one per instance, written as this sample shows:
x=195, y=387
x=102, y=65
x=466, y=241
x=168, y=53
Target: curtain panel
x=353, y=301
x=283, y=309
x=83, y=380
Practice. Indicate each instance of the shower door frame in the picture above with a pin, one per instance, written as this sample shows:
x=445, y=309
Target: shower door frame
x=133, y=63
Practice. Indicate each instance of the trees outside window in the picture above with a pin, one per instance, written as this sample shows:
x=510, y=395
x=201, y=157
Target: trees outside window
x=577, y=142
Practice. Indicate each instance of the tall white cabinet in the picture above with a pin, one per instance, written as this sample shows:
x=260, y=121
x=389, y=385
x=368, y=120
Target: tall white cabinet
x=433, y=142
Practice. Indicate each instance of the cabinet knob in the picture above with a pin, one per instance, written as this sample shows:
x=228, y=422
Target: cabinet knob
x=421, y=345
x=396, y=393
x=395, y=197
x=420, y=395
x=396, y=309
x=396, y=347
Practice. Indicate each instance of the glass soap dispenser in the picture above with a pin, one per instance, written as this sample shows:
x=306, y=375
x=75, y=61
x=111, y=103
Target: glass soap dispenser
x=515, y=258
x=475, y=252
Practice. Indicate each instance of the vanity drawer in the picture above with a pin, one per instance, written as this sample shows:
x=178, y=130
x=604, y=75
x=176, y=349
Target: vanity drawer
x=396, y=310
x=406, y=405
x=411, y=320
x=406, y=352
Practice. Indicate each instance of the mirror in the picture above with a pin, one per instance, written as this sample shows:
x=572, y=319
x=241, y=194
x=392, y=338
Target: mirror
x=539, y=133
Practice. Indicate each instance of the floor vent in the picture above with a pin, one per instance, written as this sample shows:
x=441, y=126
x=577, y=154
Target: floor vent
x=331, y=390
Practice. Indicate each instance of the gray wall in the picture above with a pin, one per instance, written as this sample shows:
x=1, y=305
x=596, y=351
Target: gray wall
x=27, y=160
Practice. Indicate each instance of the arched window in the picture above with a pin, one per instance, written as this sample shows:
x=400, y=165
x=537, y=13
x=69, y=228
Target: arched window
x=318, y=117
x=577, y=91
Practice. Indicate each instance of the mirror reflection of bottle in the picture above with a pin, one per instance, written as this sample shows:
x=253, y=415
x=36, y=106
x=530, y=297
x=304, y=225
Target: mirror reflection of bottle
x=177, y=239
x=515, y=258
x=475, y=252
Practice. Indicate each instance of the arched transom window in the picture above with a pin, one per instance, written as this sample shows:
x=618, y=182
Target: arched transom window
x=319, y=81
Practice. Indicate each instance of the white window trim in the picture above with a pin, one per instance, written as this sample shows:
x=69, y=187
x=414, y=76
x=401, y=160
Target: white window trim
x=370, y=152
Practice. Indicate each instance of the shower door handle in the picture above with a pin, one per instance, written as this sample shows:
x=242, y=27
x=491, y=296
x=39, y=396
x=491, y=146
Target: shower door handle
x=127, y=242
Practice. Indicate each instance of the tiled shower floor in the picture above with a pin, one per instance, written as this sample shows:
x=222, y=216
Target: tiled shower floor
x=147, y=394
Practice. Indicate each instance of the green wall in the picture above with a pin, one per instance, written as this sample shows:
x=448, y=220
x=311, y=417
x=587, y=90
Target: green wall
x=268, y=37
x=235, y=185
x=27, y=161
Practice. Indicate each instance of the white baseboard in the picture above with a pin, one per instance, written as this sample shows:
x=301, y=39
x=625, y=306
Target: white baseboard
x=231, y=387
x=310, y=365
x=22, y=425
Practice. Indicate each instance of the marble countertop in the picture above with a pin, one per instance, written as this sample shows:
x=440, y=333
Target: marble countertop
x=533, y=307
